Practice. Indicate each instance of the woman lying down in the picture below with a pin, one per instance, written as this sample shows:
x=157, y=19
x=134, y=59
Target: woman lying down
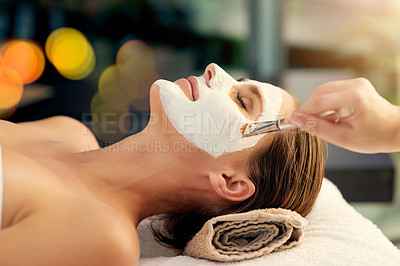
x=66, y=201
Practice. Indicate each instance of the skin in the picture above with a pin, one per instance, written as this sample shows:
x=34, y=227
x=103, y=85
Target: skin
x=63, y=194
x=374, y=127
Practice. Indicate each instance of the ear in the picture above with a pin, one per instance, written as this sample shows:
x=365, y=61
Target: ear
x=232, y=186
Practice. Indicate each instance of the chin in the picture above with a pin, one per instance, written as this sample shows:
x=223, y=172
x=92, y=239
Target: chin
x=155, y=94
x=158, y=117
x=156, y=108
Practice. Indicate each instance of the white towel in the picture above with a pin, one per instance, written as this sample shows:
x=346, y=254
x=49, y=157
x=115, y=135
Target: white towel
x=248, y=235
x=336, y=234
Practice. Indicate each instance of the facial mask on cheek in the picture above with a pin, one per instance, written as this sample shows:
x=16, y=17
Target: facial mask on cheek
x=205, y=122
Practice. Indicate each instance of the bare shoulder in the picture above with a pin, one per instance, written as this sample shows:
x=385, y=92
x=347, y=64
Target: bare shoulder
x=63, y=129
x=116, y=237
x=112, y=240
x=78, y=236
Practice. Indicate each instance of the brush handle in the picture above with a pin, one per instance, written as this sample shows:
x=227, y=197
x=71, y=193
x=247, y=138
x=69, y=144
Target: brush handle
x=282, y=125
x=266, y=127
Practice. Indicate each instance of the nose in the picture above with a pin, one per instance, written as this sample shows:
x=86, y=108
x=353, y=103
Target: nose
x=209, y=73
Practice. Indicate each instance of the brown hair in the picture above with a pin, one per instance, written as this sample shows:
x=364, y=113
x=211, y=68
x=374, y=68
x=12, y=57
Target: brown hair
x=287, y=174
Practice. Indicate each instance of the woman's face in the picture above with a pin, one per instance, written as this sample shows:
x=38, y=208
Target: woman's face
x=201, y=109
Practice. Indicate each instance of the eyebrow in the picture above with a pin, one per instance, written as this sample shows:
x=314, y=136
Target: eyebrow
x=255, y=90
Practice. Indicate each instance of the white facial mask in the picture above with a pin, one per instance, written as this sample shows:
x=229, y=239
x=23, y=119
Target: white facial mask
x=205, y=122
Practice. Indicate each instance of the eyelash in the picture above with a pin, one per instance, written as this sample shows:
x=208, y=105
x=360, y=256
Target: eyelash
x=240, y=99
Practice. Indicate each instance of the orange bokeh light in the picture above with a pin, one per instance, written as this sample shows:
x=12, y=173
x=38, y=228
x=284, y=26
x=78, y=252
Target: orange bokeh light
x=25, y=58
x=11, y=88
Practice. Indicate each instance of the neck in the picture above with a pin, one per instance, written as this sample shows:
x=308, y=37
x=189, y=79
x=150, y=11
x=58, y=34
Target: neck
x=137, y=176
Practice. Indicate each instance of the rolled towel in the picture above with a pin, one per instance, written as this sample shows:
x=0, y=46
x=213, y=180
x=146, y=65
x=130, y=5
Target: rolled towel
x=241, y=236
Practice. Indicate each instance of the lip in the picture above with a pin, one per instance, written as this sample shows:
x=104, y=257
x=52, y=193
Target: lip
x=189, y=87
x=195, y=87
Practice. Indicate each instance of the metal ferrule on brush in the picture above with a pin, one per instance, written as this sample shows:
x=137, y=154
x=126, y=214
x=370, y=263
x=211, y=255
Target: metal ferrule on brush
x=266, y=127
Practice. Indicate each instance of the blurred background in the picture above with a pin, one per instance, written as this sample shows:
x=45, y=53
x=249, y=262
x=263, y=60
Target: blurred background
x=95, y=60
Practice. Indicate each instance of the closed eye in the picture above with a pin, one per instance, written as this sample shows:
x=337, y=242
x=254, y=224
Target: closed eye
x=248, y=98
x=240, y=99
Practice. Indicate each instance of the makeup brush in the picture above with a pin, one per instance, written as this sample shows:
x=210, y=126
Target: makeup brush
x=239, y=130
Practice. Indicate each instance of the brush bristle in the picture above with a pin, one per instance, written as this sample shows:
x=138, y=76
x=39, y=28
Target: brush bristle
x=236, y=130
x=243, y=128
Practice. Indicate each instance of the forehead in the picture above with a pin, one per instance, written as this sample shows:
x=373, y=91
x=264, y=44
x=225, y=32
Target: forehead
x=269, y=91
x=289, y=104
